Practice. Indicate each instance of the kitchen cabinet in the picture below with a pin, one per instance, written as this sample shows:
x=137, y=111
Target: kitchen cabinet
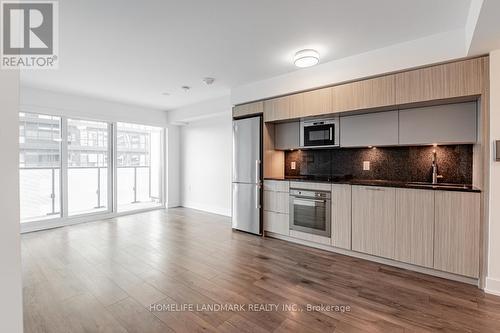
x=341, y=216
x=451, y=80
x=317, y=102
x=300, y=105
x=276, y=223
x=451, y=123
x=286, y=135
x=366, y=94
x=282, y=108
x=370, y=129
x=414, y=240
x=456, y=232
x=276, y=206
x=248, y=109
x=374, y=220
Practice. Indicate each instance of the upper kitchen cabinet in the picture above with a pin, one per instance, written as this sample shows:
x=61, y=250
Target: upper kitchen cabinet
x=370, y=129
x=286, y=135
x=366, y=94
x=310, y=103
x=452, y=123
x=248, y=109
x=317, y=102
x=282, y=108
x=457, y=79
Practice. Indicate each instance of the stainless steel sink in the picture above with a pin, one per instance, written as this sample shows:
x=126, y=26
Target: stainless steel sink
x=438, y=185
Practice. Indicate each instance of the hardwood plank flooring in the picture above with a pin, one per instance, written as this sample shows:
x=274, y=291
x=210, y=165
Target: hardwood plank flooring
x=104, y=276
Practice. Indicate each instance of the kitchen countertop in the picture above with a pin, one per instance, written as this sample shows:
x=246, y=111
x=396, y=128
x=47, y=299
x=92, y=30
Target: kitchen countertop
x=382, y=183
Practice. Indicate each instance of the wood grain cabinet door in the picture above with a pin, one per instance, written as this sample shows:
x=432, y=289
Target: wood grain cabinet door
x=248, y=109
x=373, y=220
x=284, y=108
x=456, y=233
x=366, y=94
x=415, y=227
x=341, y=216
x=317, y=102
x=457, y=79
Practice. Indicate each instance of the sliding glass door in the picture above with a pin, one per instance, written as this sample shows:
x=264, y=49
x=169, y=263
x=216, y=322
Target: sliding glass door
x=39, y=166
x=88, y=157
x=139, y=166
x=73, y=167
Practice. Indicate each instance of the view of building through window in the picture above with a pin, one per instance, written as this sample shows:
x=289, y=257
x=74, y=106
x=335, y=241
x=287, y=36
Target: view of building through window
x=139, y=166
x=88, y=155
x=88, y=177
x=40, y=166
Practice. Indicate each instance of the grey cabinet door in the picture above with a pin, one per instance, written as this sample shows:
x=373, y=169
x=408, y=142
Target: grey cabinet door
x=371, y=129
x=286, y=135
x=452, y=123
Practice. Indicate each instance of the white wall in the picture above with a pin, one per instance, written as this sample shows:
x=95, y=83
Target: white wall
x=206, y=150
x=493, y=278
x=423, y=51
x=10, y=251
x=38, y=100
x=173, y=167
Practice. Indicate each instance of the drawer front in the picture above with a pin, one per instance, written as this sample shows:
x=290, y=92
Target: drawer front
x=276, y=222
x=276, y=185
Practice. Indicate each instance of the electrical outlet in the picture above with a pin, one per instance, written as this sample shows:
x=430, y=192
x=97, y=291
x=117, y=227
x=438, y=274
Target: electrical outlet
x=366, y=165
x=293, y=165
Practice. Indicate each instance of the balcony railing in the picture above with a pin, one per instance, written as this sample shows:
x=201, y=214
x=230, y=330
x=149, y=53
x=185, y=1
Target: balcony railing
x=87, y=189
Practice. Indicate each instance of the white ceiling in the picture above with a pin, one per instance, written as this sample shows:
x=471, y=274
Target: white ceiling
x=133, y=51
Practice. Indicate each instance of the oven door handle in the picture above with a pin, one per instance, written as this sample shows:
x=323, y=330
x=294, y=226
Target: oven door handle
x=308, y=200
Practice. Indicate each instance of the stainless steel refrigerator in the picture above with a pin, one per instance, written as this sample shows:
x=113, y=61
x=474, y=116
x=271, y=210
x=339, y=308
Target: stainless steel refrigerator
x=247, y=182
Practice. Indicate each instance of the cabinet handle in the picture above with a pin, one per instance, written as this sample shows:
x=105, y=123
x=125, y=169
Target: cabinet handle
x=374, y=189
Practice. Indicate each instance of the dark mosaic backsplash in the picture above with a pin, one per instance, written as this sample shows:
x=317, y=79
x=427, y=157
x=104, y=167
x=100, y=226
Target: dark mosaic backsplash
x=386, y=163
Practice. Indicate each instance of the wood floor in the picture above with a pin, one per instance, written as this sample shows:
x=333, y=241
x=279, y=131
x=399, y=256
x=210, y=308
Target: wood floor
x=103, y=277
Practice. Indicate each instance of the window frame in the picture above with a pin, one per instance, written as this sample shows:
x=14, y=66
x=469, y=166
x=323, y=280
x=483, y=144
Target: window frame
x=64, y=218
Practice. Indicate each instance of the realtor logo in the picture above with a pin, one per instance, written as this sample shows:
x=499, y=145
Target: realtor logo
x=30, y=34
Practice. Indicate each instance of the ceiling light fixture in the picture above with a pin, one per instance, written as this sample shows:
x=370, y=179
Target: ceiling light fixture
x=306, y=58
x=208, y=80
x=186, y=88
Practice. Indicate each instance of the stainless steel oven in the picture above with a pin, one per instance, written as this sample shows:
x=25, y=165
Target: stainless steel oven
x=310, y=211
x=319, y=133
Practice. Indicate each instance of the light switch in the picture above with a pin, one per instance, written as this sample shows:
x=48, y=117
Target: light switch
x=366, y=165
x=293, y=165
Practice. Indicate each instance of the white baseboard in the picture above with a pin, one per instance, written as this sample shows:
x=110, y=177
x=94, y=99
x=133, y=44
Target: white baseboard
x=208, y=208
x=492, y=286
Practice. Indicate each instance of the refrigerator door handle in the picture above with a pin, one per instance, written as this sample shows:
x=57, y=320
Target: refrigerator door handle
x=257, y=197
x=257, y=171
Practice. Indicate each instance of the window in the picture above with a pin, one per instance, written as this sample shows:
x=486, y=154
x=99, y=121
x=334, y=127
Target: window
x=39, y=166
x=139, y=166
x=64, y=178
x=88, y=156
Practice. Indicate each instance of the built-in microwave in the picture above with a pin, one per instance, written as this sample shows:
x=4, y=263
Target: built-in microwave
x=319, y=133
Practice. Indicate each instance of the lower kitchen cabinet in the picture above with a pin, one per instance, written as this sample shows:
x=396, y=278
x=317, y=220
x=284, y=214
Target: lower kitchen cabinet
x=276, y=206
x=456, y=233
x=341, y=216
x=414, y=240
x=373, y=220
x=276, y=222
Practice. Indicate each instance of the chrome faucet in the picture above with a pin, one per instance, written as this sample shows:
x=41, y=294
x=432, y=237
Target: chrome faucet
x=435, y=175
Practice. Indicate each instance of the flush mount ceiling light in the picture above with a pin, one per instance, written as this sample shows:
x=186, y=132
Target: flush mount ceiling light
x=208, y=80
x=186, y=88
x=306, y=58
